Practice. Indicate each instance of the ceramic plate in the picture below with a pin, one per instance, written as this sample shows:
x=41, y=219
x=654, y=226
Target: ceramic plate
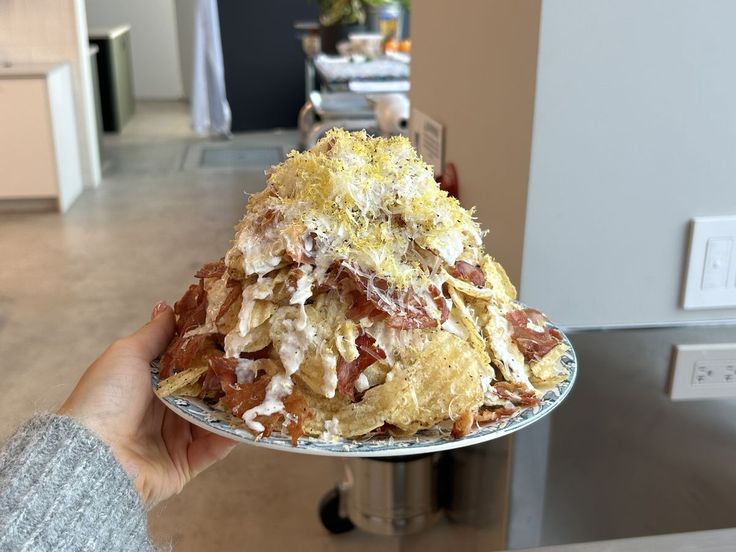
x=432, y=440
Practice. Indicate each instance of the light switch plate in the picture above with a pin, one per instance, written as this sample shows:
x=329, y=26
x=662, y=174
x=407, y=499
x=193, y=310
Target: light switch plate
x=711, y=271
x=703, y=372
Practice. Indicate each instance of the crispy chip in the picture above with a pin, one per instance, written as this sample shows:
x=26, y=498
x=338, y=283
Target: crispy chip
x=376, y=373
x=498, y=280
x=468, y=288
x=256, y=339
x=442, y=383
x=180, y=380
x=309, y=335
x=549, y=370
x=467, y=319
x=503, y=351
x=345, y=337
x=191, y=390
x=254, y=313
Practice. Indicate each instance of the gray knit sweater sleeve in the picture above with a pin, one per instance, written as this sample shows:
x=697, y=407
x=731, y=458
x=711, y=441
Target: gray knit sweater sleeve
x=62, y=489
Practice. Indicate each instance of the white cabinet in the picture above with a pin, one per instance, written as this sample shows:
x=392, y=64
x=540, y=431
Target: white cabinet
x=39, y=147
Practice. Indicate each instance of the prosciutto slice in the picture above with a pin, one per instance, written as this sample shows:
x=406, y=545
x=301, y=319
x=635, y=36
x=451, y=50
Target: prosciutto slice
x=348, y=372
x=516, y=394
x=235, y=290
x=191, y=309
x=421, y=318
x=533, y=344
x=212, y=270
x=469, y=273
x=405, y=309
x=239, y=398
x=221, y=373
x=181, y=352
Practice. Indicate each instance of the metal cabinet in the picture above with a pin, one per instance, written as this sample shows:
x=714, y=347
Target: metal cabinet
x=115, y=73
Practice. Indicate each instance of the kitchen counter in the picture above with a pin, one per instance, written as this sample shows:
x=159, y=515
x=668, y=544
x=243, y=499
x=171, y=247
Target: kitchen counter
x=39, y=146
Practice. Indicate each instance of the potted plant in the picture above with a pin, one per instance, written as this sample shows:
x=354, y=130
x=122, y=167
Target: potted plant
x=339, y=18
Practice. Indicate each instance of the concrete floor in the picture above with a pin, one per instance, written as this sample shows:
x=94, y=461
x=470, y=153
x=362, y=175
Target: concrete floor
x=69, y=285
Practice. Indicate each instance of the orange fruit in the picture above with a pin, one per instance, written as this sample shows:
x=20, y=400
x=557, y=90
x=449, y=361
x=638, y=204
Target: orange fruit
x=392, y=45
x=405, y=46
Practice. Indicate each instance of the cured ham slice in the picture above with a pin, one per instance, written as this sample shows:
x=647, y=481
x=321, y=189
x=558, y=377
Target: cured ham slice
x=405, y=309
x=348, y=372
x=182, y=352
x=516, y=394
x=239, y=398
x=532, y=343
x=223, y=369
x=469, y=273
x=235, y=290
x=191, y=309
x=212, y=270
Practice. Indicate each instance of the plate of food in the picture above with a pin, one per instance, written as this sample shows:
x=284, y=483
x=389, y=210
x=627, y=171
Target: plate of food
x=357, y=314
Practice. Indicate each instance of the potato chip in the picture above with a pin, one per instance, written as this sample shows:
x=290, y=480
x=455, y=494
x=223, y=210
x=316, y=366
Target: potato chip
x=502, y=350
x=443, y=382
x=254, y=313
x=549, y=369
x=191, y=390
x=180, y=380
x=467, y=288
x=467, y=319
x=498, y=280
x=345, y=337
x=256, y=339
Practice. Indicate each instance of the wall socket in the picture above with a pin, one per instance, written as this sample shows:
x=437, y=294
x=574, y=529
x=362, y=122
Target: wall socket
x=703, y=372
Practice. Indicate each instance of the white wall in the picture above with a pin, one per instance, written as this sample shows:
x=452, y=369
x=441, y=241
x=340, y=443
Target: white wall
x=634, y=134
x=185, y=10
x=155, y=50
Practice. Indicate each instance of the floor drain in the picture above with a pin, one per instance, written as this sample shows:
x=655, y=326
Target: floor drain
x=239, y=157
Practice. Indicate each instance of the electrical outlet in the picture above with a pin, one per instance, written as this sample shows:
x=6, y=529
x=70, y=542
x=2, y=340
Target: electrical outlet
x=703, y=372
x=711, y=269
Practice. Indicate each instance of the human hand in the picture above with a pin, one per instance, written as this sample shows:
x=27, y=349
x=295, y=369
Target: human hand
x=158, y=449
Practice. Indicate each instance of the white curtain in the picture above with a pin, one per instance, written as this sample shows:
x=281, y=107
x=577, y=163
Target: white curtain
x=210, y=110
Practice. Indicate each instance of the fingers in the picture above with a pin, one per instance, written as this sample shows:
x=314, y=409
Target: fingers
x=206, y=449
x=151, y=340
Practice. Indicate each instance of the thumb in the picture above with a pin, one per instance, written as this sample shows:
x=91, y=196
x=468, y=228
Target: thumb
x=152, y=339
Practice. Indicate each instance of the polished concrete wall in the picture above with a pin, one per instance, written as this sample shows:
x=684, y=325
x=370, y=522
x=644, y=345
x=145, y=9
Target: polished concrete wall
x=626, y=461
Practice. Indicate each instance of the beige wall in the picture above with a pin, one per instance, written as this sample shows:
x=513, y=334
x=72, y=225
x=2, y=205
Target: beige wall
x=51, y=31
x=473, y=70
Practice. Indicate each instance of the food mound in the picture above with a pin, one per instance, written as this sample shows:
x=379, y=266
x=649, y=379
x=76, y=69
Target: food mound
x=357, y=300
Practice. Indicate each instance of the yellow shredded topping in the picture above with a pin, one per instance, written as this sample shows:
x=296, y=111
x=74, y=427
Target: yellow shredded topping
x=364, y=201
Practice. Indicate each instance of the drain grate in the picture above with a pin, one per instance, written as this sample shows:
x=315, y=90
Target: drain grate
x=239, y=157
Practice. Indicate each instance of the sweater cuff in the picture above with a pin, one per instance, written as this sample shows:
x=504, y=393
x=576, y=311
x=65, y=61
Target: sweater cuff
x=61, y=488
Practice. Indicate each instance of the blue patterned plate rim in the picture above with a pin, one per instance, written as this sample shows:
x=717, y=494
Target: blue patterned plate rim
x=424, y=442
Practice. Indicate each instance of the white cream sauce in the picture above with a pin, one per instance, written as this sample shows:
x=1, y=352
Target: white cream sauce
x=279, y=387
x=500, y=340
x=303, y=286
x=329, y=368
x=245, y=371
